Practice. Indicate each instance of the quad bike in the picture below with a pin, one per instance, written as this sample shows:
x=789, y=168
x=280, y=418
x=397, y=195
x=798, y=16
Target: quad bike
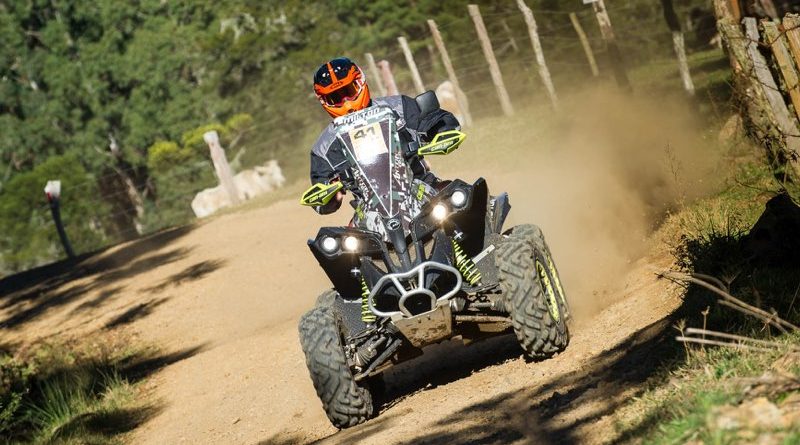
x=418, y=266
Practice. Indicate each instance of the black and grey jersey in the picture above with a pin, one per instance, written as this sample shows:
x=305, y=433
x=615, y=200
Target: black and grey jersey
x=327, y=156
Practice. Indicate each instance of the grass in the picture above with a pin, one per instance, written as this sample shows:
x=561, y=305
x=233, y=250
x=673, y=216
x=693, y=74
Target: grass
x=62, y=393
x=687, y=405
x=711, y=76
x=710, y=236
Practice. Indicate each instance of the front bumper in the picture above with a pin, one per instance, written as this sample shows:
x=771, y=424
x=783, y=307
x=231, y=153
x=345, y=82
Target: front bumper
x=415, y=287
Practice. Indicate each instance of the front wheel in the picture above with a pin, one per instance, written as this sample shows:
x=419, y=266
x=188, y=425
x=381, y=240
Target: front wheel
x=533, y=234
x=537, y=313
x=345, y=401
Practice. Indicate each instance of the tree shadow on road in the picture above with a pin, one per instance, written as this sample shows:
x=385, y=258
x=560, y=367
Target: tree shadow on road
x=28, y=295
x=137, y=312
x=553, y=412
x=192, y=273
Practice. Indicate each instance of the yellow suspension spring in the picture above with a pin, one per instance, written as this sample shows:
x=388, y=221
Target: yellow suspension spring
x=366, y=315
x=465, y=265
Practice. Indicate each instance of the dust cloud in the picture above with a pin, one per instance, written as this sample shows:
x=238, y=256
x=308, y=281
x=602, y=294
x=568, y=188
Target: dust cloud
x=597, y=180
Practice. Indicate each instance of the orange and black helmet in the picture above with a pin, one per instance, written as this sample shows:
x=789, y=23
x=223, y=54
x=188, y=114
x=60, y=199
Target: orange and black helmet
x=341, y=87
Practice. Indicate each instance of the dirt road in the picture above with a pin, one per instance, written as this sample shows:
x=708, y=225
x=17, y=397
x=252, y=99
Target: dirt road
x=223, y=299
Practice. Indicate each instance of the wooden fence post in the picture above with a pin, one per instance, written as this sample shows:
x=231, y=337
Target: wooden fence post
x=373, y=70
x=777, y=42
x=611, y=44
x=769, y=8
x=53, y=192
x=683, y=64
x=727, y=9
x=494, y=69
x=463, y=104
x=678, y=43
x=544, y=73
x=587, y=48
x=411, y=65
x=785, y=123
x=763, y=109
x=791, y=25
x=388, y=78
x=221, y=166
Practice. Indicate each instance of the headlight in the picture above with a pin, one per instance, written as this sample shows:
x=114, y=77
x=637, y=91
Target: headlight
x=458, y=198
x=350, y=243
x=329, y=244
x=439, y=212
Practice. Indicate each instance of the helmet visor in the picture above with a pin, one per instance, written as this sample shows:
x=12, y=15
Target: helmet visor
x=345, y=93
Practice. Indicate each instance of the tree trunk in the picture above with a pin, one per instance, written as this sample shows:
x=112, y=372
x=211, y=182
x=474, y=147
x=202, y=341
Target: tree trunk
x=614, y=54
x=678, y=43
x=114, y=190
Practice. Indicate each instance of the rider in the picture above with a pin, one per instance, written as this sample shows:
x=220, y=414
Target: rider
x=341, y=88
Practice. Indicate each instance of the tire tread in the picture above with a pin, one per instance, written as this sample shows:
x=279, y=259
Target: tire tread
x=538, y=333
x=345, y=402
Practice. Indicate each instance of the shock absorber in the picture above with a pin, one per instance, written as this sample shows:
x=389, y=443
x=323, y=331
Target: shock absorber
x=465, y=265
x=366, y=315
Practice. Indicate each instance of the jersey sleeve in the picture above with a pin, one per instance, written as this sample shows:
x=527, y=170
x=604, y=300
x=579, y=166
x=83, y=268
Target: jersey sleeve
x=321, y=171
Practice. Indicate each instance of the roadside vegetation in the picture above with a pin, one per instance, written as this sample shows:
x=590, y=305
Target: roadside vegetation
x=745, y=236
x=711, y=394
x=71, y=393
x=721, y=396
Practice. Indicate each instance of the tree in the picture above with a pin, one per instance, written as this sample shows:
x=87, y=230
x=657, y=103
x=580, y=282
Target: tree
x=101, y=79
x=27, y=234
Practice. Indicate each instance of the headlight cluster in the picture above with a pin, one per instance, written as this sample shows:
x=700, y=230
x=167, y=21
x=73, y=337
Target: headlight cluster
x=458, y=199
x=330, y=244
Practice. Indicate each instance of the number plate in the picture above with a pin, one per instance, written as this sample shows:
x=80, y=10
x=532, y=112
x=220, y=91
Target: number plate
x=368, y=141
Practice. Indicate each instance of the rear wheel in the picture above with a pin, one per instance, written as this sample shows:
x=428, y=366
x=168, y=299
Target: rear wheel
x=530, y=295
x=345, y=401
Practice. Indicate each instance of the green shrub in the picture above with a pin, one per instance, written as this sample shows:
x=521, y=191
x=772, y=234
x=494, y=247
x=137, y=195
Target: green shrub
x=67, y=394
x=163, y=155
x=239, y=123
x=193, y=139
x=14, y=386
